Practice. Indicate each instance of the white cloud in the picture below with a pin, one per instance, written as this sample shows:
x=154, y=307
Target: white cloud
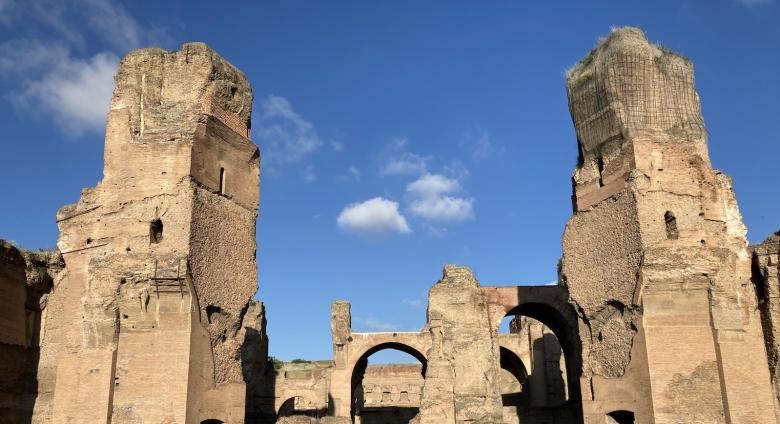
x=76, y=92
x=377, y=217
x=398, y=161
x=48, y=77
x=443, y=208
x=337, y=146
x=19, y=57
x=430, y=185
x=431, y=199
x=283, y=134
x=114, y=22
x=405, y=164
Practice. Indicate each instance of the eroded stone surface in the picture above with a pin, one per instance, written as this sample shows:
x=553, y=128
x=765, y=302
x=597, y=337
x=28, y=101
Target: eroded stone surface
x=152, y=308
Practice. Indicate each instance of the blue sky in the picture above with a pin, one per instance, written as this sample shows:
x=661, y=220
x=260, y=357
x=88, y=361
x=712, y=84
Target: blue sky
x=396, y=136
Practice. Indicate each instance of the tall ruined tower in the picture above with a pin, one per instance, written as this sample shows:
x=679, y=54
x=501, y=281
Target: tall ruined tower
x=655, y=256
x=148, y=320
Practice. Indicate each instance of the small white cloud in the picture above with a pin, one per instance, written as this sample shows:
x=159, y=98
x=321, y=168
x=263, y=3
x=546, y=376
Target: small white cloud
x=430, y=185
x=76, y=92
x=337, y=146
x=308, y=174
x=405, y=164
x=283, y=134
x=430, y=199
x=377, y=217
x=398, y=161
x=444, y=208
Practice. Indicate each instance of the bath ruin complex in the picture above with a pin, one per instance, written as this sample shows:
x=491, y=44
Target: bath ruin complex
x=662, y=312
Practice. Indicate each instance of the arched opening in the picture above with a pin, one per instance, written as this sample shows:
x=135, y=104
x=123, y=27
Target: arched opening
x=388, y=393
x=221, y=180
x=212, y=421
x=620, y=417
x=671, y=226
x=526, y=342
x=299, y=406
x=545, y=341
x=513, y=383
x=155, y=231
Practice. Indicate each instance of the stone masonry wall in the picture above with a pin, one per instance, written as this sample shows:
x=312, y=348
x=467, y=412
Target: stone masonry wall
x=766, y=277
x=160, y=268
x=462, y=380
x=655, y=254
x=25, y=282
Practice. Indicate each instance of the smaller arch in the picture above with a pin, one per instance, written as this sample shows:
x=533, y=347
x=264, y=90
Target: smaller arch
x=512, y=363
x=221, y=180
x=212, y=421
x=671, y=226
x=288, y=408
x=155, y=231
x=620, y=417
x=399, y=346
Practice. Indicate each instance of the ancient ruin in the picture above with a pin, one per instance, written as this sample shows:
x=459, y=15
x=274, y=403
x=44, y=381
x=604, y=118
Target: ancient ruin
x=662, y=312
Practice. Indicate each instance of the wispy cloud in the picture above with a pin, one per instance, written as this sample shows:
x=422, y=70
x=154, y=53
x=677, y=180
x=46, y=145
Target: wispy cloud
x=47, y=77
x=283, y=134
x=76, y=92
x=374, y=324
x=373, y=218
x=405, y=164
x=399, y=161
x=479, y=145
x=354, y=172
x=432, y=199
x=414, y=303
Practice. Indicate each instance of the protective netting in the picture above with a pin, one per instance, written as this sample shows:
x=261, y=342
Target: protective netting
x=634, y=93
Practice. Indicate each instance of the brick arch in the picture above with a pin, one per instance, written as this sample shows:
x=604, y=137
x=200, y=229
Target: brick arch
x=412, y=346
x=290, y=402
x=550, y=306
x=511, y=361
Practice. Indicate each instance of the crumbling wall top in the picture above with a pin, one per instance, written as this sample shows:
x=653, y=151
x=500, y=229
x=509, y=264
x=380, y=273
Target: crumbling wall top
x=627, y=84
x=167, y=91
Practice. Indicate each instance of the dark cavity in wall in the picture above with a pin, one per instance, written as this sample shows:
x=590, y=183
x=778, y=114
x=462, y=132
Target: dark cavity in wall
x=156, y=231
x=671, y=226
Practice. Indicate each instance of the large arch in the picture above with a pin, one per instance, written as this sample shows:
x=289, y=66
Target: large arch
x=566, y=332
x=360, y=365
x=550, y=306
